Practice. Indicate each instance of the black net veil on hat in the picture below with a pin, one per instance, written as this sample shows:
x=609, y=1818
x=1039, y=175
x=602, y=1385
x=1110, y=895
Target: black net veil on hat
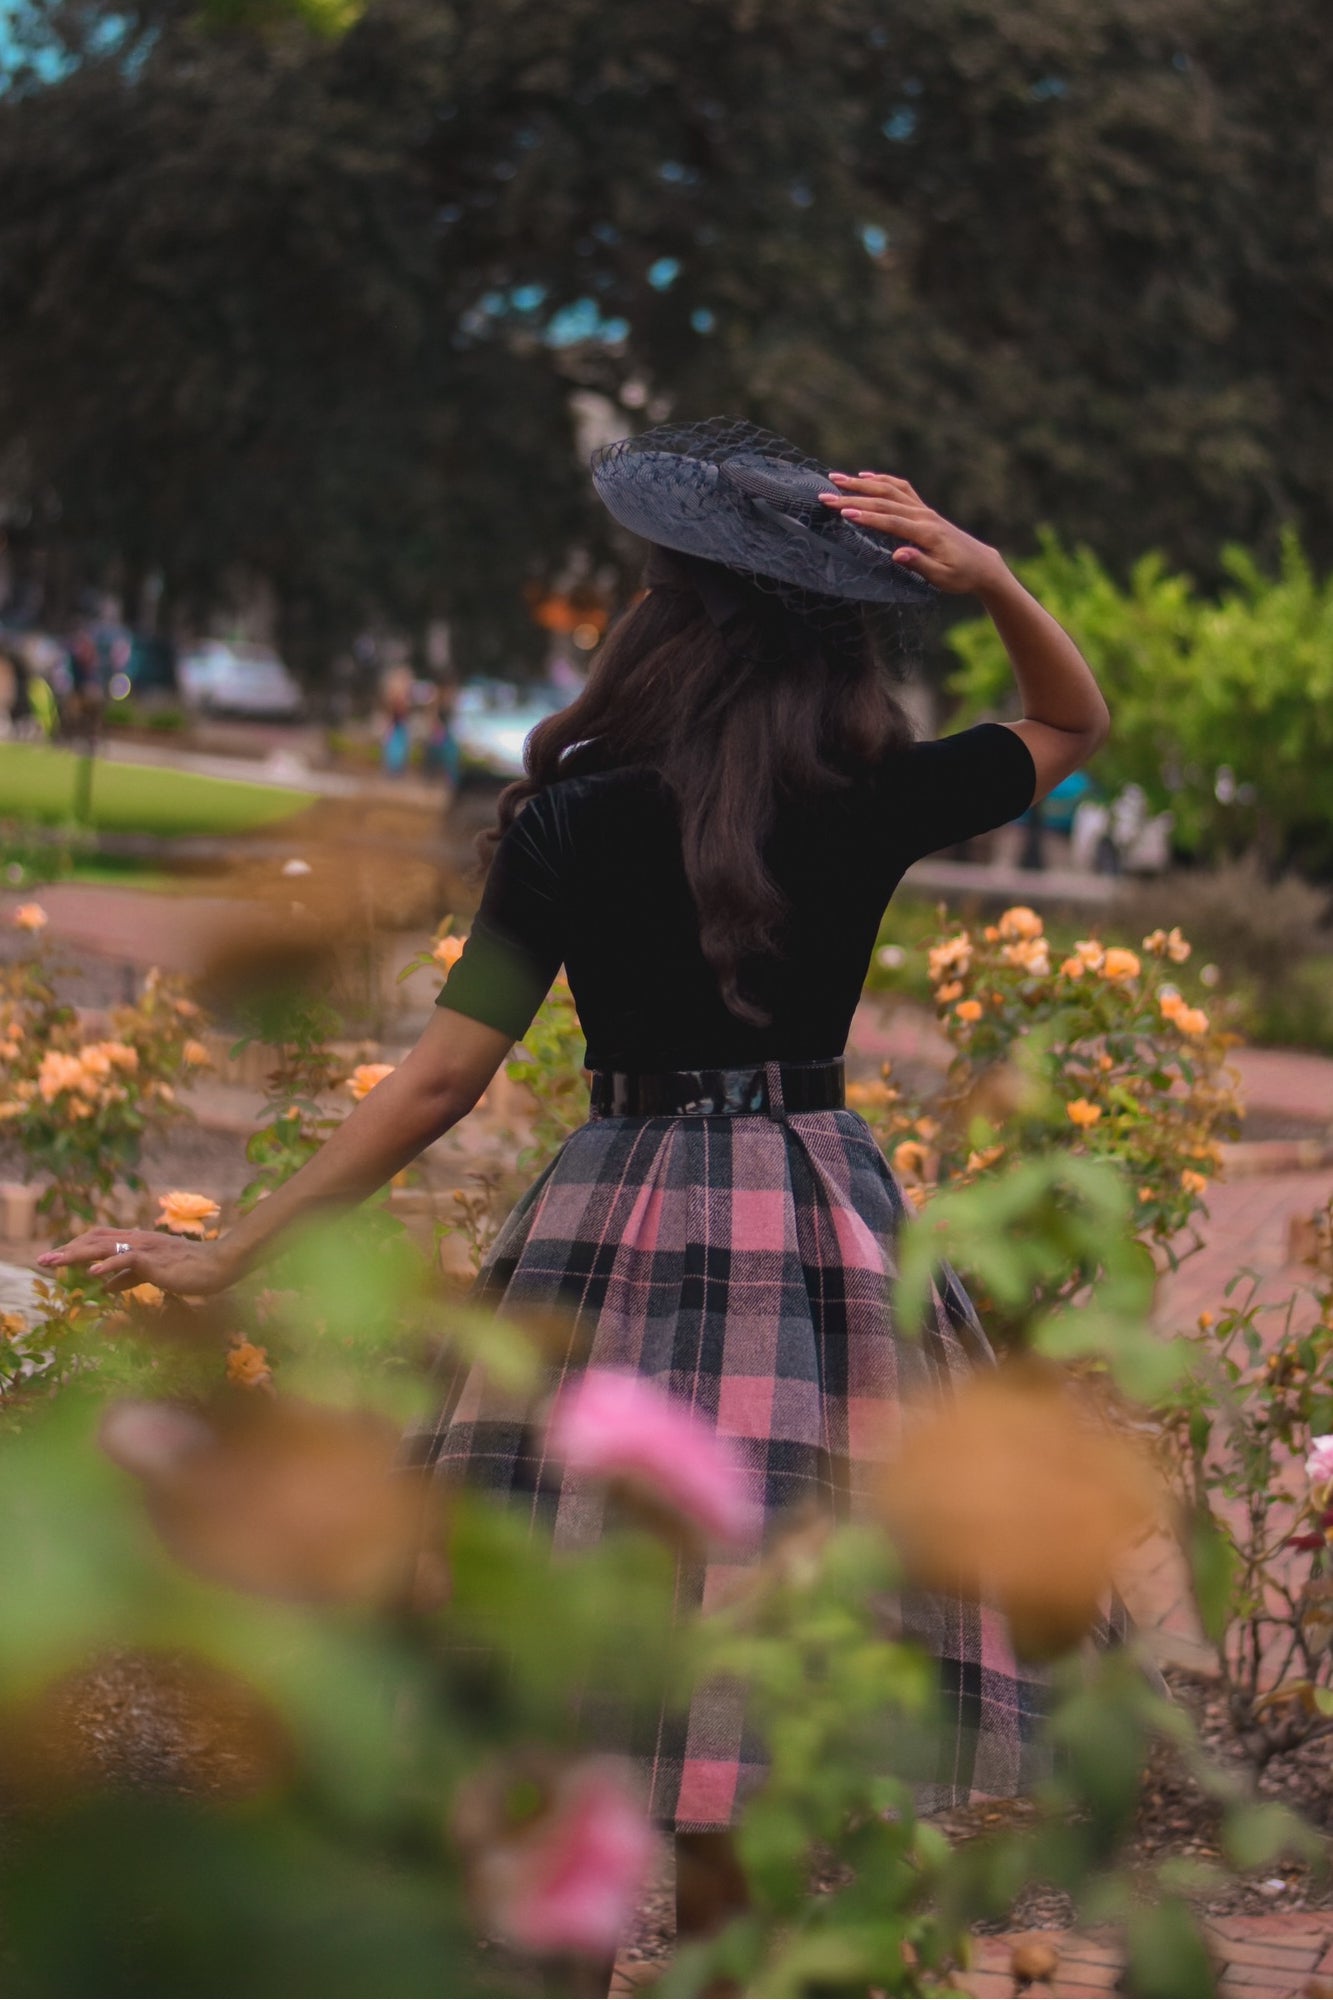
x=728, y=496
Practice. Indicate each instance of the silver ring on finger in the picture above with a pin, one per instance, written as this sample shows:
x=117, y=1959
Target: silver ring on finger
x=122, y=1249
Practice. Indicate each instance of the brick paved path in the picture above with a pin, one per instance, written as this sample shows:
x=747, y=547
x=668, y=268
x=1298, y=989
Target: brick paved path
x=1272, y=1958
x=1256, y=1958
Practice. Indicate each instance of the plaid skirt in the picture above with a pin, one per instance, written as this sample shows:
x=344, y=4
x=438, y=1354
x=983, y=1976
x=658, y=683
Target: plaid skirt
x=745, y=1265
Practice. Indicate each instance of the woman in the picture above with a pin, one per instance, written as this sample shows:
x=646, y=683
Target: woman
x=706, y=839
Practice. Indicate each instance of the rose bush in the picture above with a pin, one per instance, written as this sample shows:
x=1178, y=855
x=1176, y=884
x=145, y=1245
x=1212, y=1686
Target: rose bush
x=1247, y=1437
x=1099, y=1055
x=80, y=1104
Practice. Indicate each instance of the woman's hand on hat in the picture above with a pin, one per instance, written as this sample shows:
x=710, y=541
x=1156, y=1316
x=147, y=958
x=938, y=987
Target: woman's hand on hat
x=930, y=546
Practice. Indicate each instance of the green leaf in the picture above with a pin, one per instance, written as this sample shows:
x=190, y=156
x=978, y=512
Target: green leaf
x=1214, y=1569
x=1167, y=1954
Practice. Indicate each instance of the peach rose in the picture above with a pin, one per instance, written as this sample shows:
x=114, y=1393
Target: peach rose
x=58, y=1073
x=1092, y=952
x=1193, y=1183
x=968, y=1010
x=1168, y=944
x=909, y=1158
x=247, y=1365
x=1020, y=922
x=185, y=1214
x=1118, y=964
x=1081, y=1113
x=146, y=1295
x=954, y=955
x=30, y=917
x=1031, y=954
x=1073, y=967
x=447, y=951
x=196, y=1055
x=365, y=1076
x=950, y=992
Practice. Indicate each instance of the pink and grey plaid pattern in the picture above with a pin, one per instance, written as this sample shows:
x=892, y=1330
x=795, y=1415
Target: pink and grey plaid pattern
x=744, y=1265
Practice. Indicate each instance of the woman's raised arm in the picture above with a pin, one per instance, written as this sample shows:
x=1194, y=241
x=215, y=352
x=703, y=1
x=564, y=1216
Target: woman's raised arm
x=1065, y=719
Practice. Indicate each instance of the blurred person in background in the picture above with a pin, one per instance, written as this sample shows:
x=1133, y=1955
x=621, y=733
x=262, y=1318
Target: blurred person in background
x=706, y=839
x=396, y=740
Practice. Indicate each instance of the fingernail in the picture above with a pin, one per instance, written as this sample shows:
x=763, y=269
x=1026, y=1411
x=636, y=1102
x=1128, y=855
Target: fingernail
x=852, y=514
x=840, y=475
x=831, y=499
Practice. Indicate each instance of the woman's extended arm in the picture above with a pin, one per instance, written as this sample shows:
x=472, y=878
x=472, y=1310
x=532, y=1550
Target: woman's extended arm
x=1065, y=718
x=434, y=1086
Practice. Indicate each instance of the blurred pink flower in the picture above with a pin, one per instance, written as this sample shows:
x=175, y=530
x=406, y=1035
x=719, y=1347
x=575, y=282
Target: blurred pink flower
x=620, y=1427
x=566, y=1878
x=1319, y=1465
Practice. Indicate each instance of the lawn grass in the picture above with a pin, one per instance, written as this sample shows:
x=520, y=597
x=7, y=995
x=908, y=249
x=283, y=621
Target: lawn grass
x=38, y=783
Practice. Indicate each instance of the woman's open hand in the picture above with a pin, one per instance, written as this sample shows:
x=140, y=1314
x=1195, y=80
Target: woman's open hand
x=931, y=546
x=172, y=1263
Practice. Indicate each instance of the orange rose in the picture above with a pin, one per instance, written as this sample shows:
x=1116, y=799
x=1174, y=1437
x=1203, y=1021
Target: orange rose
x=146, y=1295
x=365, y=1076
x=196, y=1055
x=968, y=1010
x=57, y=1073
x=1118, y=964
x=1020, y=922
x=1081, y=1113
x=1193, y=1183
x=447, y=951
x=1192, y=1021
x=909, y=1158
x=944, y=994
x=247, y=1365
x=1073, y=967
x=185, y=1214
x=30, y=917
x=953, y=956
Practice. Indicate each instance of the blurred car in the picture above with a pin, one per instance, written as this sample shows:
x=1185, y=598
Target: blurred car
x=234, y=677
x=494, y=719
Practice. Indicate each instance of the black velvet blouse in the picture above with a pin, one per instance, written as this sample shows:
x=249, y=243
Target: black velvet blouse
x=590, y=876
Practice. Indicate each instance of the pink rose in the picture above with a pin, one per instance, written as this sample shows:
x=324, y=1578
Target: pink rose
x=1319, y=1465
x=568, y=1876
x=620, y=1427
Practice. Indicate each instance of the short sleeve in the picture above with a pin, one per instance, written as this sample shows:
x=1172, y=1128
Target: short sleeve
x=967, y=784
x=516, y=943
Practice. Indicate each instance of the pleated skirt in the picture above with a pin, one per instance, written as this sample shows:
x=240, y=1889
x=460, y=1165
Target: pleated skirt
x=746, y=1266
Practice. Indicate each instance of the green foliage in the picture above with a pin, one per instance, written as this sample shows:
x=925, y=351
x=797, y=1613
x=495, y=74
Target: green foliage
x=1221, y=706
x=549, y=1062
x=1240, y=1422
x=1047, y=260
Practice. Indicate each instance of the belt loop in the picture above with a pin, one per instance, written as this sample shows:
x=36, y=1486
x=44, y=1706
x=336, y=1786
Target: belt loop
x=777, y=1109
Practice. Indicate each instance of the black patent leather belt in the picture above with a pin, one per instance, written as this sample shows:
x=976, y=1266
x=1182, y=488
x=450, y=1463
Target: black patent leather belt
x=770, y=1090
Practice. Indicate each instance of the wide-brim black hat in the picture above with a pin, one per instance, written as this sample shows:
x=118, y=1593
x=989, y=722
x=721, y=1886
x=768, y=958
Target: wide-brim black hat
x=734, y=494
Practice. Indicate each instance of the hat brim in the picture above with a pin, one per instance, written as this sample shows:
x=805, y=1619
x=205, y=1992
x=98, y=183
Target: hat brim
x=755, y=515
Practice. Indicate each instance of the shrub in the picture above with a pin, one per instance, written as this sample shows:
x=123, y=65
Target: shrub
x=1259, y=928
x=1098, y=1055
x=1249, y=1455
x=1223, y=711
x=80, y=1106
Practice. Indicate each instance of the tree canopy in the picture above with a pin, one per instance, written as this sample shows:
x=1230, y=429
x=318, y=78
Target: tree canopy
x=296, y=295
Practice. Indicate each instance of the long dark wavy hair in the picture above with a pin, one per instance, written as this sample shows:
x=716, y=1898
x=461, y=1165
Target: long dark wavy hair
x=780, y=701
